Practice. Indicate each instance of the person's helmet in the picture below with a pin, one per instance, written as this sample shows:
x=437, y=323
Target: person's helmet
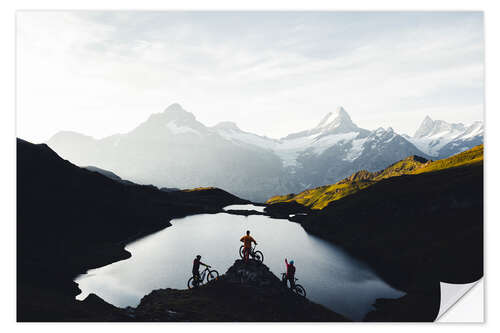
x=291, y=262
x=198, y=256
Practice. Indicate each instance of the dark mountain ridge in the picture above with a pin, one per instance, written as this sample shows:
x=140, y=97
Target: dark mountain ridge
x=70, y=219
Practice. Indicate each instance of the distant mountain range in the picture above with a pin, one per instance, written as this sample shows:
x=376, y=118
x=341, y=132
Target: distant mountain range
x=173, y=149
x=440, y=139
x=320, y=197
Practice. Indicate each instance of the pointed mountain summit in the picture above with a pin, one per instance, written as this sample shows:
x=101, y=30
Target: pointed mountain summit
x=430, y=127
x=425, y=127
x=175, y=112
x=439, y=138
x=335, y=119
x=336, y=122
x=173, y=120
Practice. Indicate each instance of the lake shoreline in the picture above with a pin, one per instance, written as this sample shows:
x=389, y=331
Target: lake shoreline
x=331, y=273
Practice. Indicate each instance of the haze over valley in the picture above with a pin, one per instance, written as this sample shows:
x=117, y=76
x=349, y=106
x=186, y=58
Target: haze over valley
x=172, y=149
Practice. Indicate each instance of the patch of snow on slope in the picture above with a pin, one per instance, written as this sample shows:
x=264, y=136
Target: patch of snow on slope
x=431, y=145
x=327, y=141
x=474, y=130
x=289, y=149
x=356, y=150
x=247, y=138
x=172, y=126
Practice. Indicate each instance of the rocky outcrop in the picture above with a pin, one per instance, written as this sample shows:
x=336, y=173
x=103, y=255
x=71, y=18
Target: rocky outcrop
x=283, y=210
x=246, y=292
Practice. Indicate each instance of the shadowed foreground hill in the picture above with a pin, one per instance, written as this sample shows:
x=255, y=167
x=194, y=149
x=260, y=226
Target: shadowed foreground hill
x=244, y=293
x=70, y=219
x=415, y=230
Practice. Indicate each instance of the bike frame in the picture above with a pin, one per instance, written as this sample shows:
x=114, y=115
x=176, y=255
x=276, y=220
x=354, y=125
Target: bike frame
x=203, y=273
x=252, y=251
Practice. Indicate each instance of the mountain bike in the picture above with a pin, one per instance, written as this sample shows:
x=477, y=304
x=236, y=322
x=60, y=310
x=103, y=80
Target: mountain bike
x=257, y=255
x=298, y=289
x=210, y=275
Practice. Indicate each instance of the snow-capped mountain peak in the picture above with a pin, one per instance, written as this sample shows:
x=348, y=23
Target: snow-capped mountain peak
x=440, y=139
x=176, y=113
x=382, y=134
x=477, y=128
x=335, y=119
x=174, y=120
x=174, y=107
x=336, y=122
x=431, y=127
x=425, y=127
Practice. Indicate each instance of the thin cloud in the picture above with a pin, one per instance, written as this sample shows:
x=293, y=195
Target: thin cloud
x=273, y=73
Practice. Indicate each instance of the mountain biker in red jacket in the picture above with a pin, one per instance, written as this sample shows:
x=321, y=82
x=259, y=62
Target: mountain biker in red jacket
x=290, y=273
x=196, y=267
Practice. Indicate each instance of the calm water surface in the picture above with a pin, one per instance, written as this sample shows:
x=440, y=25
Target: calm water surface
x=164, y=259
x=245, y=207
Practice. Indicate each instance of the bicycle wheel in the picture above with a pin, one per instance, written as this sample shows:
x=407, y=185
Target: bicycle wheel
x=241, y=251
x=300, y=290
x=258, y=256
x=212, y=275
x=192, y=283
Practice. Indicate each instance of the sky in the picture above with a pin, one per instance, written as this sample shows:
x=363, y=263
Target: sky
x=273, y=73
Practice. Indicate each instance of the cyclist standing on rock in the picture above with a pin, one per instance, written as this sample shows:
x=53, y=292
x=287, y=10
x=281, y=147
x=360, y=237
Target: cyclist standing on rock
x=247, y=245
x=290, y=273
x=196, y=267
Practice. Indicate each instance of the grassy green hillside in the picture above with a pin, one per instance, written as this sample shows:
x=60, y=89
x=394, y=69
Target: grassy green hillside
x=469, y=157
x=320, y=197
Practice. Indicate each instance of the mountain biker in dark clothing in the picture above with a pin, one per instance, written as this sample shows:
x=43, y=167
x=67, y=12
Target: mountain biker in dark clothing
x=290, y=273
x=196, y=267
